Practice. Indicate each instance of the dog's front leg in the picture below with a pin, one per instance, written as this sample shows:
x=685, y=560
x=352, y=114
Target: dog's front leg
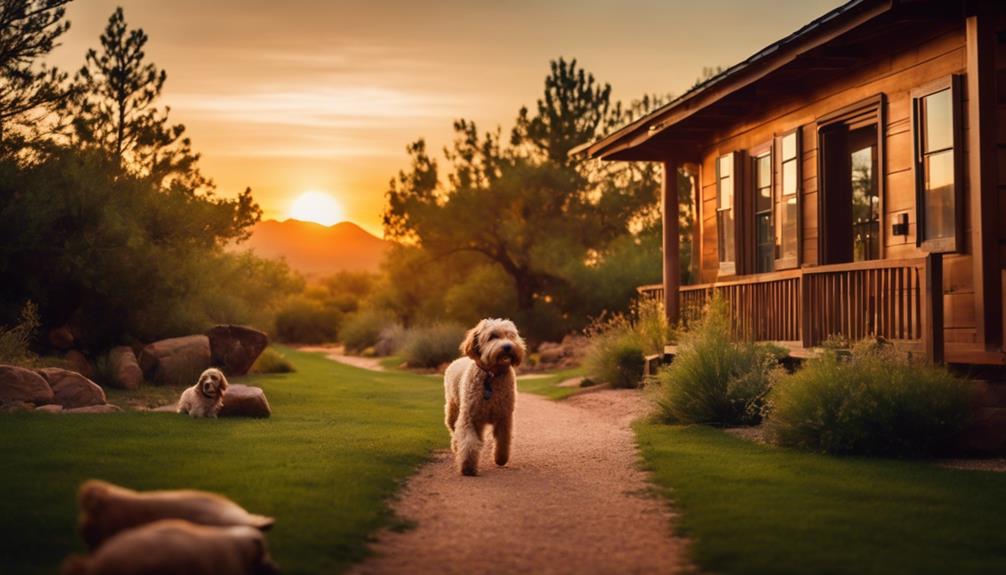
x=469, y=444
x=502, y=432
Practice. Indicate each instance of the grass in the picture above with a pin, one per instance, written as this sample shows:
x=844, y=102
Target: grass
x=547, y=386
x=340, y=443
x=752, y=508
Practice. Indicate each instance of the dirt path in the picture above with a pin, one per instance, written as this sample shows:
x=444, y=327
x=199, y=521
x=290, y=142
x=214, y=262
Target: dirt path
x=337, y=353
x=572, y=500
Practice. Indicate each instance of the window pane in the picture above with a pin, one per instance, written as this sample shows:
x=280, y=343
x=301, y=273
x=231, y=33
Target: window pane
x=726, y=194
x=939, y=121
x=725, y=225
x=789, y=146
x=726, y=166
x=939, y=195
x=787, y=228
x=764, y=167
x=789, y=178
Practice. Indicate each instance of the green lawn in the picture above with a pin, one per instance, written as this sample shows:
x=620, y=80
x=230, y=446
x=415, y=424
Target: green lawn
x=339, y=444
x=751, y=508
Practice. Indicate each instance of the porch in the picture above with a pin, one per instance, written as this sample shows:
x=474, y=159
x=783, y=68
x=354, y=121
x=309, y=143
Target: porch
x=801, y=308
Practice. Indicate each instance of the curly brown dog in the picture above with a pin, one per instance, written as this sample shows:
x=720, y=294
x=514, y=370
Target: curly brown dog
x=480, y=389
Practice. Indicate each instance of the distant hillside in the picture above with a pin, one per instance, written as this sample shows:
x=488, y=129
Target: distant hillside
x=315, y=249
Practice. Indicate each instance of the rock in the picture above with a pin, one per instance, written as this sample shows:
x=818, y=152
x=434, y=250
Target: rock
x=126, y=372
x=245, y=401
x=51, y=408
x=551, y=355
x=176, y=361
x=61, y=337
x=234, y=348
x=77, y=361
x=18, y=384
x=71, y=389
x=107, y=408
x=170, y=408
x=16, y=406
x=987, y=431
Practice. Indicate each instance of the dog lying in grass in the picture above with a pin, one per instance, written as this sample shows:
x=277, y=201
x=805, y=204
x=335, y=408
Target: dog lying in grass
x=206, y=397
x=174, y=546
x=106, y=510
x=480, y=389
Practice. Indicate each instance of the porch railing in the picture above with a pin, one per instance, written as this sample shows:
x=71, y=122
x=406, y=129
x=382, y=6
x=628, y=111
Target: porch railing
x=893, y=299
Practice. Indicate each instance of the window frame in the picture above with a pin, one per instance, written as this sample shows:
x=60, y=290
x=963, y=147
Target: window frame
x=754, y=155
x=954, y=243
x=785, y=263
x=729, y=268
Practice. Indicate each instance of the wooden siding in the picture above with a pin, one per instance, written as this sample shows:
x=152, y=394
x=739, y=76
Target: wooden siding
x=937, y=56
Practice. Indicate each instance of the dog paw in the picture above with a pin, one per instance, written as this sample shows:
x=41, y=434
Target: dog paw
x=469, y=471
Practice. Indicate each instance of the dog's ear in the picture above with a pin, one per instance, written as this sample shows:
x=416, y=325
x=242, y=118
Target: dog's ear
x=470, y=345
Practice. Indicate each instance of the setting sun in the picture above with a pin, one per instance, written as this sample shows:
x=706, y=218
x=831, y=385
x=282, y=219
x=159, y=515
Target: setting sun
x=317, y=207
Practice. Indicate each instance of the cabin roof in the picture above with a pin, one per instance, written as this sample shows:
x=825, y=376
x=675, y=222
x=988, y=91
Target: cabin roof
x=638, y=139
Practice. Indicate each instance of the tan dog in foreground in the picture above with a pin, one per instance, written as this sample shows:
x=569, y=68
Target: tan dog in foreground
x=176, y=547
x=480, y=389
x=107, y=509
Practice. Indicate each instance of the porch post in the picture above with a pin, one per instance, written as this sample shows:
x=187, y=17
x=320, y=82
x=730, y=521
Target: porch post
x=672, y=267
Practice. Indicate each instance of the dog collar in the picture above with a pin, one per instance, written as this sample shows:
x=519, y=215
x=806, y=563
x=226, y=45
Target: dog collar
x=487, y=381
x=203, y=393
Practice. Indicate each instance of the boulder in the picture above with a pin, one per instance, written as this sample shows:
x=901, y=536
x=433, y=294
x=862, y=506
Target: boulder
x=176, y=361
x=245, y=401
x=51, y=408
x=17, y=406
x=986, y=432
x=61, y=337
x=18, y=384
x=126, y=372
x=77, y=361
x=71, y=389
x=234, y=348
x=107, y=408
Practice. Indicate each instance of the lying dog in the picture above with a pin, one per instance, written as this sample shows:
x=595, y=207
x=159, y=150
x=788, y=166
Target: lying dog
x=480, y=389
x=176, y=547
x=206, y=397
x=107, y=509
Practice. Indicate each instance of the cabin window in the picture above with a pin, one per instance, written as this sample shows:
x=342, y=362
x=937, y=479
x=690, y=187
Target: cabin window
x=763, y=225
x=787, y=199
x=726, y=186
x=937, y=165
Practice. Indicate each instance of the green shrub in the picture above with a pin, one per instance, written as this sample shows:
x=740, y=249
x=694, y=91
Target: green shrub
x=431, y=346
x=15, y=341
x=714, y=379
x=390, y=340
x=873, y=402
x=617, y=346
x=272, y=361
x=363, y=329
x=104, y=372
x=307, y=321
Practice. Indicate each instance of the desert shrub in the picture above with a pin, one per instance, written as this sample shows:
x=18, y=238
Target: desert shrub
x=307, y=321
x=617, y=346
x=15, y=341
x=715, y=379
x=103, y=373
x=363, y=328
x=272, y=361
x=390, y=340
x=431, y=346
x=870, y=402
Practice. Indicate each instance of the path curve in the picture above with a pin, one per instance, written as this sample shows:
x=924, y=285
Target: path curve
x=572, y=500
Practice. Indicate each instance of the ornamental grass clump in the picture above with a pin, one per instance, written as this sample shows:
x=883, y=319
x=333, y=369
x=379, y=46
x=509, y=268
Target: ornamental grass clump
x=873, y=401
x=618, y=345
x=715, y=379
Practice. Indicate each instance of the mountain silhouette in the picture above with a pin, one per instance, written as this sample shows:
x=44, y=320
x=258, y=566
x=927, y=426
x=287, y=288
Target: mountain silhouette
x=315, y=249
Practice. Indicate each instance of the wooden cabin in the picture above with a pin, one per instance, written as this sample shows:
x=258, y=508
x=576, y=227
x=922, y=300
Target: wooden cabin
x=849, y=179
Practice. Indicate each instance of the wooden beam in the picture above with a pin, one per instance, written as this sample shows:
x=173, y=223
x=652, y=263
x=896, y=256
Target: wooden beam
x=672, y=266
x=933, y=324
x=981, y=170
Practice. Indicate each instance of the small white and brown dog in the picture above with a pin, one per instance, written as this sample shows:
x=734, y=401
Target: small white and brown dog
x=480, y=389
x=206, y=397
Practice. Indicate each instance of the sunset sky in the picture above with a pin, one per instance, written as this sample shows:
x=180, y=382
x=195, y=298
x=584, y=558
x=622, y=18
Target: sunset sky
x=322, y=96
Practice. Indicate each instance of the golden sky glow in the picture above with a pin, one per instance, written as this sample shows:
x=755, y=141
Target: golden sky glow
x=324, y=95
x=317, y=207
